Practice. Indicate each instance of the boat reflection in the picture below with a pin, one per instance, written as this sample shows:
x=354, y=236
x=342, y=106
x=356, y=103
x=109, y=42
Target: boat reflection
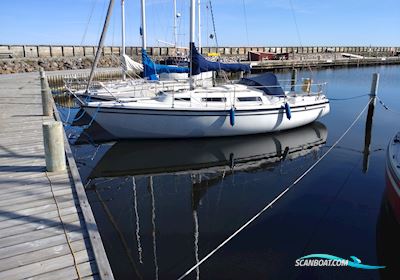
x=154, y=198
x=388, y=225
x=247, y=153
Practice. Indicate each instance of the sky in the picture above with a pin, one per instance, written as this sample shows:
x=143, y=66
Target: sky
x=237, y=22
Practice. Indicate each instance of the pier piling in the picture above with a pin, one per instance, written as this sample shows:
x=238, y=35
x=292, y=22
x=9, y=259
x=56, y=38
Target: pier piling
x=375, y=84
x=54, y=146
x=293, y=80
x=46, y=94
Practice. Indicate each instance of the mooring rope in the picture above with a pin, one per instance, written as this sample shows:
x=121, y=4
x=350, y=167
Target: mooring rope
x=277, y=197
x=387, y=107
x=348, y=98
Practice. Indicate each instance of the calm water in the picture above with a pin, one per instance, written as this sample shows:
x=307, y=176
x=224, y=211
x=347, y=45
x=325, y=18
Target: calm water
x=161, y=206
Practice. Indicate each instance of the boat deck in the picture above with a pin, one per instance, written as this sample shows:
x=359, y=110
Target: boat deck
x=44, y=228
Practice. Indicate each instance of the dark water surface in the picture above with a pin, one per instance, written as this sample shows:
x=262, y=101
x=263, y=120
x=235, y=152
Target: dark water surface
x=162, y=206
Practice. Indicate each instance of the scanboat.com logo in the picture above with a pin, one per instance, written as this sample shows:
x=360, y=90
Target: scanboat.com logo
x=329, y=260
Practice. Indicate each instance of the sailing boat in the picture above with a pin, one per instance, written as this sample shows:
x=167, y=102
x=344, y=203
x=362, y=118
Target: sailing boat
x=254, y=105
x=156, y=76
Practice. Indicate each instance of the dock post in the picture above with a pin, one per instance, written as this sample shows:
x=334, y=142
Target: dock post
x=374, y=85
x=53, y=139
x=293, y=80
x=46, y=94
x=369, y=121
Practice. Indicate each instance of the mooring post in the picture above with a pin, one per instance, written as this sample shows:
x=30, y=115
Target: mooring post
x=293, y=80
x=375, y=84
x=46, y=94
x=53, y=139
x=369, y=121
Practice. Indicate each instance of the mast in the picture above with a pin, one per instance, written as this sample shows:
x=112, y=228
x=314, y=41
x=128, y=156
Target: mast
x=192, y=38
x=199, y=26
x=175, y=26
x=101, y=43
x=123, y=40
x=144, y=35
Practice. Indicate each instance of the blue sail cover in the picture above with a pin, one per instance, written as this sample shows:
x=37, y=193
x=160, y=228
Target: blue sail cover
x=267, y=83
x=151, y=69
x=200, y=64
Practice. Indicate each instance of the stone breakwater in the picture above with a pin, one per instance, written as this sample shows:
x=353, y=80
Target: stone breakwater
x=21, y=65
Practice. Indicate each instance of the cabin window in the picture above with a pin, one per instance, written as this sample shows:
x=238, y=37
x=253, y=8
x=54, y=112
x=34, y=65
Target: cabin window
x=249, y=99
x=214, y=99
x=183, y=99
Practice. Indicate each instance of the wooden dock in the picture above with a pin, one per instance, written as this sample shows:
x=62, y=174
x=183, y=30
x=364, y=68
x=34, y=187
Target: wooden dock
x=47, y=229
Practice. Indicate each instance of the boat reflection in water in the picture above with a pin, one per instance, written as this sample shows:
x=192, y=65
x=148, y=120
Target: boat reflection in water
x=246, y=153
x=163, y=205
x=388, y=226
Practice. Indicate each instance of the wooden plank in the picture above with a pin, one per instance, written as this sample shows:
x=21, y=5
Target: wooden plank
x=22, y=176
x=44, y=254
x=92, y=277
x=38, y=217
x=34, y=153
x=14, y=191
x=36, y=190
x=31, y=130
x=34, y=197
x=38, y=268
x=33, y=204
x=10, y=129
x=20, y=162
x=86, y=269
x=39, y=225
x=22, y=141
x=21, y=148
x=31, y=246
x=13, y=184
x=34, y=212
x=30, y=169
x=37, y=235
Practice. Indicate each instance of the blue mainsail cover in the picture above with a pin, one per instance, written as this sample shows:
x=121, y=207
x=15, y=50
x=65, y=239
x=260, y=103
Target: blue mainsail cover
x=200, y=64
x=267, y=83
x=151, y=69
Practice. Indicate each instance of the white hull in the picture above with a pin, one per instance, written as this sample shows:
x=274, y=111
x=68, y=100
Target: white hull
x=175, y=123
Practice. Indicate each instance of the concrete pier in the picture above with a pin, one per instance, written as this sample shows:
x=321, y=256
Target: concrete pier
x=47, y=230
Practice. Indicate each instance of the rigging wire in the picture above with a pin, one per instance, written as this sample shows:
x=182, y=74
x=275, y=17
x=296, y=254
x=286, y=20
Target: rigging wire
x=102, y=19
x=213, y=23
x=216, y=42
x=88, y=23
x=278, y=197
x=298, y=33
x=245, y=22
